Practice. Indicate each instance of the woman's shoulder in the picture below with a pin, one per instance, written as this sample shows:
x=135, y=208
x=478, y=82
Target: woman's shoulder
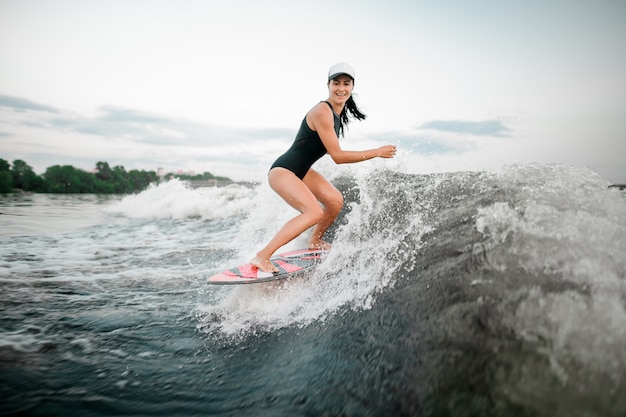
x=321, y=113
x=321, y=109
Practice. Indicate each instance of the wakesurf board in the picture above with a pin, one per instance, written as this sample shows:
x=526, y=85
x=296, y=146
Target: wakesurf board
x=290, y=265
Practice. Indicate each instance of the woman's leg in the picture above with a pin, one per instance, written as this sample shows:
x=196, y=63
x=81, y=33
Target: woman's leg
x=331, y=199
x=300, y=197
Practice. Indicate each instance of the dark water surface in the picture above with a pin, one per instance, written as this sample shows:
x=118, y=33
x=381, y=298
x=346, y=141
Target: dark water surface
x=460, y=294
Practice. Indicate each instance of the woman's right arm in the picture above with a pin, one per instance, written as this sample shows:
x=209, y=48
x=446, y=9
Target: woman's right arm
x=320, y=119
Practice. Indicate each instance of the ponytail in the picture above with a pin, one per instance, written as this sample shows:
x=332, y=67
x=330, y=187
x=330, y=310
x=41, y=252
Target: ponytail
x=354, y=112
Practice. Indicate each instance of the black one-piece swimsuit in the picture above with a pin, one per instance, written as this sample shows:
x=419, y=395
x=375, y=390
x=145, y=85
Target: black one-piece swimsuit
x=306, y=149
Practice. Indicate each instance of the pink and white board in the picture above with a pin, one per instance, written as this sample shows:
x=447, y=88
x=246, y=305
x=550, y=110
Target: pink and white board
x=290, y=264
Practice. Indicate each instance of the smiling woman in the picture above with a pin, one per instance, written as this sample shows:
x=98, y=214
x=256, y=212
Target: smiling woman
x=305, y=189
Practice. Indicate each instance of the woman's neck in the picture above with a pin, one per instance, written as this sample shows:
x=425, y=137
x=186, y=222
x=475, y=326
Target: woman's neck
x=337, y=108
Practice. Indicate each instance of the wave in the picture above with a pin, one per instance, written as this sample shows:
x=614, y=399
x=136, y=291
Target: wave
x=175, y=199
x=488, y=292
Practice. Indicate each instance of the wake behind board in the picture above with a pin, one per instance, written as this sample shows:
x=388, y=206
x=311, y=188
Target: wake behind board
x=290, y=264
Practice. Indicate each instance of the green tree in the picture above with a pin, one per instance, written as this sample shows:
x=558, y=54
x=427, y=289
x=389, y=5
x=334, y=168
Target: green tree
x=117, y=180
x=67, y=179
x=120, y=180
x=25, y=178
x=140, y=180
x=103, y=171
x=6, y=177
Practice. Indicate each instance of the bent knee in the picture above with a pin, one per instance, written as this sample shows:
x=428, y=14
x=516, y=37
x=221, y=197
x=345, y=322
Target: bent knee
x=314, y=214
x=335, y=202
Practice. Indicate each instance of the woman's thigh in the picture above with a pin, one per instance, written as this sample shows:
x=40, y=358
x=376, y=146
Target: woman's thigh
x=322, y=189
x=293, y=190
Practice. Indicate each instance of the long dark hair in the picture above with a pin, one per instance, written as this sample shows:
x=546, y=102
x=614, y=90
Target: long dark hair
x=354, y=112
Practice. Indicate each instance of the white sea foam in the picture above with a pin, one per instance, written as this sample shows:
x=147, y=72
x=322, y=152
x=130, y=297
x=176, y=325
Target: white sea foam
x=174, y=199
x=357, y=268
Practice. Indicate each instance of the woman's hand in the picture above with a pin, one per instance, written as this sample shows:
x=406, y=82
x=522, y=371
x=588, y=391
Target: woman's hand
x=388, y=151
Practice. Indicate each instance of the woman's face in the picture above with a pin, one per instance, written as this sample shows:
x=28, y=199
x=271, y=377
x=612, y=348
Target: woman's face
x=340, y=88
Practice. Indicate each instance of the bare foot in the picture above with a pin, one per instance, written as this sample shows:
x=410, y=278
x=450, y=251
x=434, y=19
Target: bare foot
x=319, y=245
x=263, y=264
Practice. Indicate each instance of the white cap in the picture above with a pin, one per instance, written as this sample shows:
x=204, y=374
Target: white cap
x=339, y=69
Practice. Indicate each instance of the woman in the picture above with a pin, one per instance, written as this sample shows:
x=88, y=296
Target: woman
x=303, y=188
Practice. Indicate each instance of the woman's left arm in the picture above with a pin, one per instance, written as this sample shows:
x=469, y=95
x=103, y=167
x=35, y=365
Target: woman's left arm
x=321, y=119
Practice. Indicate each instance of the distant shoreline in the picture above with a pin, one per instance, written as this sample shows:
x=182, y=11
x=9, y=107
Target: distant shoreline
x=102, y=179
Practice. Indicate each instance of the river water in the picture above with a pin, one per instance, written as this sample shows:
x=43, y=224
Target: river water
x=452, y=294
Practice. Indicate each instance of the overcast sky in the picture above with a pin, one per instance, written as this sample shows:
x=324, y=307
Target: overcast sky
x=222, y=86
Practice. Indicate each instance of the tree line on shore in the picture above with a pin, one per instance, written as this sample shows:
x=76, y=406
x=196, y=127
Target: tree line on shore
x=67, y=179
